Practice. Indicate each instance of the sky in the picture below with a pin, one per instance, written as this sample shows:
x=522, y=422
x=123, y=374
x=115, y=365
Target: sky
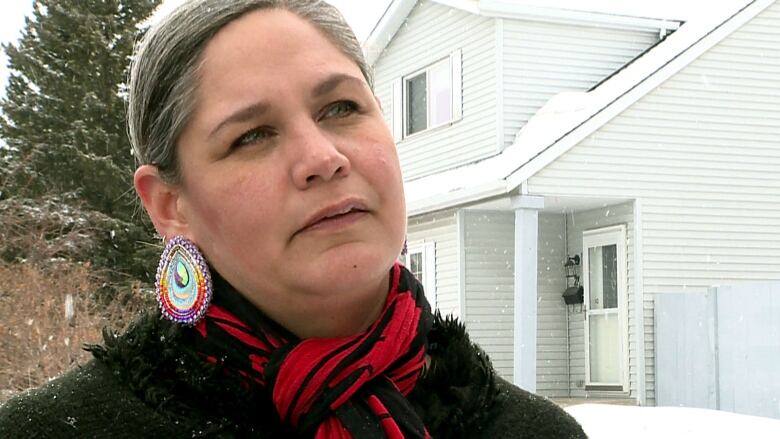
x=363, y=14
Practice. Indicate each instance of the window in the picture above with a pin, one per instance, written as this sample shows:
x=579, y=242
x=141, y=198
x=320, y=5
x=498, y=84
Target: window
x=427, y=98
x=420, y=260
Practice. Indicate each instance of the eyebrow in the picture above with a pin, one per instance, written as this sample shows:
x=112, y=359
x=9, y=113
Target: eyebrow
x=258, y=108
x=242, y=115
x=332, y=82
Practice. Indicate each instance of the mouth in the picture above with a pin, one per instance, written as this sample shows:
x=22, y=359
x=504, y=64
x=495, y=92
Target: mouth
x=335, y=216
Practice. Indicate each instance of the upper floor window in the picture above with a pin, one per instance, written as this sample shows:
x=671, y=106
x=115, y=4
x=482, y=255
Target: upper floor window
x=427, y=98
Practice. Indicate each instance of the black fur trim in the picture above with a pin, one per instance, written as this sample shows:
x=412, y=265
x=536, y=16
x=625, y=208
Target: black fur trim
x=454, y=397
x=459, y=389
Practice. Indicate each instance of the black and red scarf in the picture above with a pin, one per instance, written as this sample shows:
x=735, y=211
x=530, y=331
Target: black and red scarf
x=350, y=387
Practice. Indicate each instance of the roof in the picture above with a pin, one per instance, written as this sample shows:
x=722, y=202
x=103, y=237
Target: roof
x=570, y=117
x=558, y=11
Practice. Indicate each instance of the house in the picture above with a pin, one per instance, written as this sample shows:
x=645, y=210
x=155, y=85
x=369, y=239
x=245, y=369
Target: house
x=645, y=152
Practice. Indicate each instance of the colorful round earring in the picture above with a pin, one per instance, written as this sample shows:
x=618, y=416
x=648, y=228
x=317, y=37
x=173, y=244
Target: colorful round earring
x=183, y=282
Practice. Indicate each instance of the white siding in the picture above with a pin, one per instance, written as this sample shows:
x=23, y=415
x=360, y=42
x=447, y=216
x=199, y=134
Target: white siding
x=489, y=289
x=551, y=343
x=702, y=151
x=431, y=33
x=576, y=224
x=543, y=59
x=441, y=229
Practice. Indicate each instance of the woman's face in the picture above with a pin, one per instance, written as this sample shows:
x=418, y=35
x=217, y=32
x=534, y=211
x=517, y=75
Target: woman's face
x=291, y=184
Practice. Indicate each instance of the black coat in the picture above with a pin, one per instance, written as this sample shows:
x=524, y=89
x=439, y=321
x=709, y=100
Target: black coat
x=146, y=383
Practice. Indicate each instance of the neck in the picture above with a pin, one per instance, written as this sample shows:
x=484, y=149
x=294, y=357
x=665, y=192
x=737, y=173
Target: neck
x=343, y=316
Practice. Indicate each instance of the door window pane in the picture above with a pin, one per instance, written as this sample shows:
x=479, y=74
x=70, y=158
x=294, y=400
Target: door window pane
x=416, y=265
x=604, y=348
x=602, y=276
x=609, y=270
x=416, y=104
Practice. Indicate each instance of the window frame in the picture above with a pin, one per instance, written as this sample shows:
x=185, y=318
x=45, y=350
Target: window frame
x=428, y=252
x=405, y=97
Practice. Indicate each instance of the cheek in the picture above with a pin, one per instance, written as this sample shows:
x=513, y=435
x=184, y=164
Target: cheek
x=383, y=171
x=235, y=203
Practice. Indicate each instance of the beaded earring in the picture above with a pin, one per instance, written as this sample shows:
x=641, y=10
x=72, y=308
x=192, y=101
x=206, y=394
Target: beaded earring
x=183, y=282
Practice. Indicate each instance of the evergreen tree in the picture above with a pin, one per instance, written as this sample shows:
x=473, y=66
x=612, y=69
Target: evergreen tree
x=64, y=106
x=63, y=117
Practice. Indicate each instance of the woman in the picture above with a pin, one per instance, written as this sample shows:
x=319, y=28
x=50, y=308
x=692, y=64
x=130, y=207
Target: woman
x=267, y=166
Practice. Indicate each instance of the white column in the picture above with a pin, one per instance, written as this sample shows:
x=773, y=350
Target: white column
x=526, y=242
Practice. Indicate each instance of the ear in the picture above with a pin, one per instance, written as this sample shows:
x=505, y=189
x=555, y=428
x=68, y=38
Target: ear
x=160, y=199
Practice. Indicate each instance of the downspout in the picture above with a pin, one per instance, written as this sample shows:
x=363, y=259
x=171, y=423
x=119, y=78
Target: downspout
x=566, y=310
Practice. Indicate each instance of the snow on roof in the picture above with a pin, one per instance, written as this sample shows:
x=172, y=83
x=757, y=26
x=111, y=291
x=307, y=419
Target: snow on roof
x=569, y=117
x=603, y=421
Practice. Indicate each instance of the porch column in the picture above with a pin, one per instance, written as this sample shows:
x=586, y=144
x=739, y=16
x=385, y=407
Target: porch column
x=526, y=241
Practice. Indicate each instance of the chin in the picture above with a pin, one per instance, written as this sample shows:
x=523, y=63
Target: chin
x=351, y=267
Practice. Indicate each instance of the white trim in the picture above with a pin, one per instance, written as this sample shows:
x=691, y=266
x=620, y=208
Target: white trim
x=464, y=5
x=598, y=237
x=388, y=25
x=499, y=8
x=639, y=305
x=527, y=202
x=499, y=45
x=460, y=221
x=456, y=85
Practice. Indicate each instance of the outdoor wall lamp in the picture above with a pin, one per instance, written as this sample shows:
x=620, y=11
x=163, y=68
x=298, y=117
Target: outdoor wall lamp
x=574, y=293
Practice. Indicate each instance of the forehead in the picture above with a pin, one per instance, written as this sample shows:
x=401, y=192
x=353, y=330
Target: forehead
x=269, y=41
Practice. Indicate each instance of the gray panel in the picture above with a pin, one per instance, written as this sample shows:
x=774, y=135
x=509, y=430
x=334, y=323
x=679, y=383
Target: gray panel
x=686, y=361
x=720, y=349
x=749, y=335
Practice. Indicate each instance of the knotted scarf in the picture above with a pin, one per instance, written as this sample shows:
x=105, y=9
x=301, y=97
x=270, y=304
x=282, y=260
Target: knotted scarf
x=349, y=387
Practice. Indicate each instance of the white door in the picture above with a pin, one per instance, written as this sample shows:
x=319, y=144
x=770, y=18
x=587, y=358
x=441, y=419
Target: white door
x=604, y=279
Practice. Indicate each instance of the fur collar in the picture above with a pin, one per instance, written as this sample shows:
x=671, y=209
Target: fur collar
x=454, y=396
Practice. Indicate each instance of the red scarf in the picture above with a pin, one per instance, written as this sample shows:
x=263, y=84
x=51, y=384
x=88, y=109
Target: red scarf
x=350, y=387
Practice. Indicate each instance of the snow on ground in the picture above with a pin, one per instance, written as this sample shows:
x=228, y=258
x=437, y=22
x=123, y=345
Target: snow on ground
x=602, y=421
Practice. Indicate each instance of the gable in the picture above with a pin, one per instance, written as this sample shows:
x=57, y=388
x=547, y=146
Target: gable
x=433, y=32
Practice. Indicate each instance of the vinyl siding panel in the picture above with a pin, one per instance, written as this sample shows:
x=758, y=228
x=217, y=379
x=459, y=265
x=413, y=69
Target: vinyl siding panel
x=543, y=59
x=702, y=151
x=489, y=287
x=441, y=228
x=552, y=346
x=431, y=33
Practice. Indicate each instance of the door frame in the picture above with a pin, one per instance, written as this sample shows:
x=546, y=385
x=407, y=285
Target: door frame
x=598, y=237
x=428, y=251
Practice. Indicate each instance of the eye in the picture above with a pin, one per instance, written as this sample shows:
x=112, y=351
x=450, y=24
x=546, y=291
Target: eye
x=339, y=109
x=253, y=136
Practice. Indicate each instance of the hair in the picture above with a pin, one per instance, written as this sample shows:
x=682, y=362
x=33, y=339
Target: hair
x=164, y=72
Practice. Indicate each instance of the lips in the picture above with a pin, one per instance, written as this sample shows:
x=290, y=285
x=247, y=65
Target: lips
x=334, y=214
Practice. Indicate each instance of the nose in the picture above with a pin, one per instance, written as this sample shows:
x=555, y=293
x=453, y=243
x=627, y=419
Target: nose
x=316, y=157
